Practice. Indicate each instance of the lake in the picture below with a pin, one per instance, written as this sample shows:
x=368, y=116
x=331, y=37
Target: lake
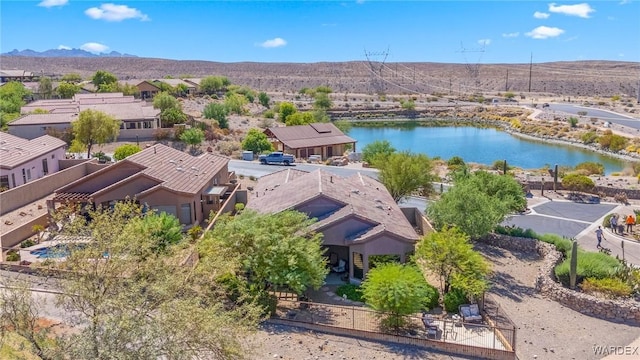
x=482, y=146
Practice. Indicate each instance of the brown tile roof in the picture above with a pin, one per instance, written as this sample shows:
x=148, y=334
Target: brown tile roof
x=311, y=135
x=45, y=119
x=16, y=150
x=15, y=73
x=126, y=111
x=175, y=82
x=178, y=170
x=359, y=196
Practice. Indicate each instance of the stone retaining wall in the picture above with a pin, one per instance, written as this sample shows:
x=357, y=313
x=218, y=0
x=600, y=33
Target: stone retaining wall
x=627, y=311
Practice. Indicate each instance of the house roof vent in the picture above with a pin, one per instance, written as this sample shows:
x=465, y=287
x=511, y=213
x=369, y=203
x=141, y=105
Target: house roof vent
x=172, y=161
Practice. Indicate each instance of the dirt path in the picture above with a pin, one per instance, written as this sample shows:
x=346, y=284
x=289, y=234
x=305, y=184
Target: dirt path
x=546, y=329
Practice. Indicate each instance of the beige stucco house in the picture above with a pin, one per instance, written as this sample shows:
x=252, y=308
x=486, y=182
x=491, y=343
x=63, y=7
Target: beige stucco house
x=160, y=177
x=356, y=215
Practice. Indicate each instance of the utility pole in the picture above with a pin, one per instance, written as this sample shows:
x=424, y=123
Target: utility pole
x=530, y=69
x=506, y=83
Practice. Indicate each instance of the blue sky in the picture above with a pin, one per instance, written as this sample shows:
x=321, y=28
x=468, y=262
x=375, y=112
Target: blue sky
x=314, y=31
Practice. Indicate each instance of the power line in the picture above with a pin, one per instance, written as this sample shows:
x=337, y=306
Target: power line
x=376, y=67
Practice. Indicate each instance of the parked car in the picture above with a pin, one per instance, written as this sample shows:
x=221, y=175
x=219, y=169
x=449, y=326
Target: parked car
x=277, y=157
x=545, y=105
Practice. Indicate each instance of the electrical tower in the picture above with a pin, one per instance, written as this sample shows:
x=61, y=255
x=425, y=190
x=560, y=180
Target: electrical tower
x=473, y=69
x=376, y=62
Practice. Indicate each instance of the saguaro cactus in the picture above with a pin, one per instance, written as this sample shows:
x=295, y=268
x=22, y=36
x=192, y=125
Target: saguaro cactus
x=573, y=266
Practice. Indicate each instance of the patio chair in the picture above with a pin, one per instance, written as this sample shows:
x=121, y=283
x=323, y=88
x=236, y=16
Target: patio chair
x=450, y=330
x=470, y=313
x=342, y=267
x=430, y=325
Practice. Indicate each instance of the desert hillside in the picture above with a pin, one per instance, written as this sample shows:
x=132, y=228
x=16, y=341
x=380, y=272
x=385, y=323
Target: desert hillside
x=577, y=78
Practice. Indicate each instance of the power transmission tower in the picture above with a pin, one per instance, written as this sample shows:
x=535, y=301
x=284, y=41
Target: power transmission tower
x=376, y=62
x=473, y=69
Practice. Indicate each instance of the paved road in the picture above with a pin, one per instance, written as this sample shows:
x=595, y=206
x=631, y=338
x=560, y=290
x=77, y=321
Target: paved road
x=579, y=221
x=612, y=117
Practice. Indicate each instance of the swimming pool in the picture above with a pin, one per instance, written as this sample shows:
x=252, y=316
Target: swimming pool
x=55, y=251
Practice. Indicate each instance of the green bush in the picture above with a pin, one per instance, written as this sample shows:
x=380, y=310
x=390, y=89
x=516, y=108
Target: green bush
x=610, y=287
x=515, y=231
x=562, y=244
x=591, y=168
x=453, y=299
x=606, y=222
x=590, y=265
x=13, y=255
x=432, y=303
x=27, y=243
x=589, y=137
x=577, y=182
x=352, y=291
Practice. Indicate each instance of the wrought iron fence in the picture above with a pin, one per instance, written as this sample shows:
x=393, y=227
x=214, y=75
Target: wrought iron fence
x=444, y=329
x=497, y=317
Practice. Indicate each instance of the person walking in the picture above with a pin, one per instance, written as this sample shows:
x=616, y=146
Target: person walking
x=630, y=221
x=614, y=223
x=599, y=236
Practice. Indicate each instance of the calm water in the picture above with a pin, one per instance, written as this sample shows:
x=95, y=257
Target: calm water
x=482, y=146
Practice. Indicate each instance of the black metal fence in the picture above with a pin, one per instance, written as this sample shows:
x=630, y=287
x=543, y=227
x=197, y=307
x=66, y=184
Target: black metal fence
x=448, y=330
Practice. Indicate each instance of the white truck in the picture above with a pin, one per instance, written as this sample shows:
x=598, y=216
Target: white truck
x=277, y=157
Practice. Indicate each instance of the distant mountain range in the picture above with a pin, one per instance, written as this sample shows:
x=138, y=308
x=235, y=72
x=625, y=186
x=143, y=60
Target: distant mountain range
x=64, y=53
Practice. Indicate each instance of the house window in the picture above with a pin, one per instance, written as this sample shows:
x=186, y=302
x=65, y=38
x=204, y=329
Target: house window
x=185, y=213
x=45, y=166
x=24, y=176
x=28, y=174
x=4, y=181
x=53, y=156
x=13, y=180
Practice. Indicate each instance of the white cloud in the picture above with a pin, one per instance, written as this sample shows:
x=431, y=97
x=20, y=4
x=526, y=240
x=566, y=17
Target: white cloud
x=581, y=10
x=274, y=43
x=64, y=47
x=359, y=1
x=52, y=3
x=94, y=47
x=540, y=15
x=545, y=32
x=484, y=42
x=113, y=12
x=511, y=35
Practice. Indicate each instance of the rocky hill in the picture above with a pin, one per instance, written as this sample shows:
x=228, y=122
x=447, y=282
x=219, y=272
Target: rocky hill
x=578, y=78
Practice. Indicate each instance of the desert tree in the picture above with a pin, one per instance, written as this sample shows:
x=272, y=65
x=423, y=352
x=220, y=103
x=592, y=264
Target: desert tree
x=285, y=109
x=263, y=98
x=217, y=112
x=66, y=90
x=235, y=102
x=449, y=255
x=299, y=118
x=397, y=290
x=164, y=101
x=45, y=87
x=404, y=173
x=193, y=137
x=103, y=78
x=377, y=150
x=578, y=183
x=123, y=151
x=212, y=84
x=276, y=251
x=256, y=141
x=135, y=302
x=322, y=101
x=95, y=127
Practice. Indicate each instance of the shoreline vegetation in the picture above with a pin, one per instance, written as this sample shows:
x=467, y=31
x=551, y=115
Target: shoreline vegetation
x=483, y=124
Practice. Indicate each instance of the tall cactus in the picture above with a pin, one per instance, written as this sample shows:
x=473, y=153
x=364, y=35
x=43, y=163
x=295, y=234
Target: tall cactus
x=573, y=268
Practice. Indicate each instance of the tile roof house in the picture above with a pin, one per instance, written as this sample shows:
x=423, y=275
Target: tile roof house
x=139, y=119
x=190, y=86
x=7, y=75
x=323, y=139
x=161, y=177
x=22, y=160
x=357, y=215
x=147, y=89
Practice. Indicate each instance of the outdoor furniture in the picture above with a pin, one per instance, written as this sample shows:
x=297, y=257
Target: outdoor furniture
x=449, y=330
x=470, y=313
x=430, y=325
x=342, y=267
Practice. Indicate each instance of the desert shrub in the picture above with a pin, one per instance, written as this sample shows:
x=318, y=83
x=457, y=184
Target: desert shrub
x=515, y=231
x=621, y=197
x=590, y=265
x=432, y=302
x=453, y=299
x=239, y=207
x=13, y=255
x=562, y=244
x=573, y=122
x=612, y=141
x=609, y=287
x=589, y=137
x=228, y=147
x=577, y=182
x=455, y=162
x=352, y=291
x=591, y=168
x=194, y=233
x=499, y=165
x=161, y=134
x=27, y=243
